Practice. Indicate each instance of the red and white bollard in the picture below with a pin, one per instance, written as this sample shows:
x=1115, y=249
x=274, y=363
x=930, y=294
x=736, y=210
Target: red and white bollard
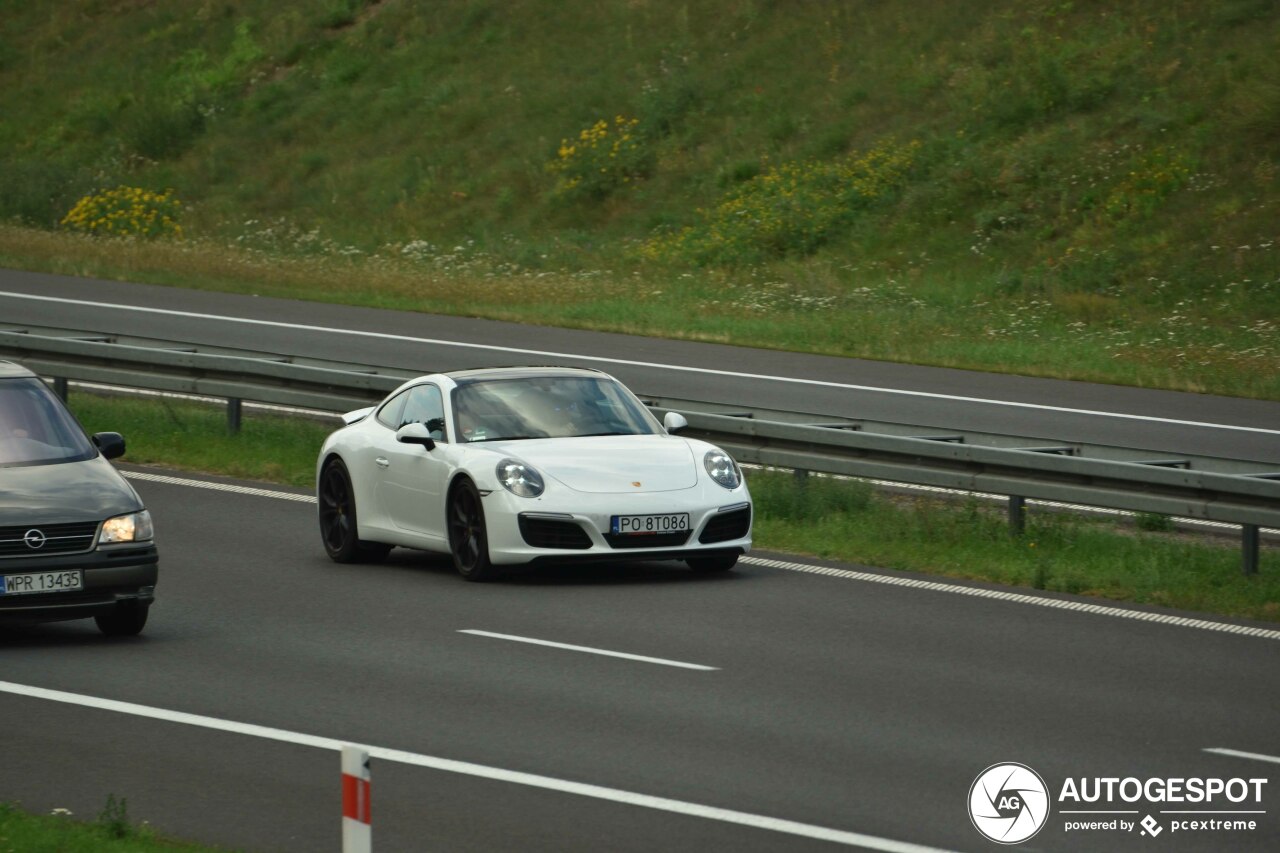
x=357, y=822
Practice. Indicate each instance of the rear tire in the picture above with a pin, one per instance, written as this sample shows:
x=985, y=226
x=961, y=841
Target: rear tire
x=468, y=538
x=712, y=564
x=338, y=527
x=125, y=620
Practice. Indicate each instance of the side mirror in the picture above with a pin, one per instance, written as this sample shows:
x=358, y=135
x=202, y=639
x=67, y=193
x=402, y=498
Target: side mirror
x=674, y=422
x=415, y=433
x=109, y=444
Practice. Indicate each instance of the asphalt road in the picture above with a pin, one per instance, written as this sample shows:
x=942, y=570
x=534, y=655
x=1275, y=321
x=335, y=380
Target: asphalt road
x=1054, y=410
x=860, y=710
x=830, y=710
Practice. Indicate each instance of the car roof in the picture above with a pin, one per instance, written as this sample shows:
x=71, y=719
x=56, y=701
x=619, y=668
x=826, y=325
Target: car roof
x=10, y=370
x=462, y=377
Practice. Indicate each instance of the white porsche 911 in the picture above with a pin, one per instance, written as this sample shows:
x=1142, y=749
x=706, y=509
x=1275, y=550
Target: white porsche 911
x=506, y=466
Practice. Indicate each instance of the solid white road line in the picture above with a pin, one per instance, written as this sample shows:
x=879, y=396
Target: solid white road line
x=447, y=765
x=587, y=649
x=845, y=574
x=1252, y=756
x=220, y=402
x=631, y=363
x=147, y=476
x=1017, y=598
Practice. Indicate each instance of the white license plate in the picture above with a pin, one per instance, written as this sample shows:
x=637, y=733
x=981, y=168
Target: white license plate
x=43, y=582
x=639, y=525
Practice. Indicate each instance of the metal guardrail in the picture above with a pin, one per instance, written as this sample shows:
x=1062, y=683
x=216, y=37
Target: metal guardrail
x=1009, y=441
x=1021, y=473
x=1125, y=478
x=178, y=368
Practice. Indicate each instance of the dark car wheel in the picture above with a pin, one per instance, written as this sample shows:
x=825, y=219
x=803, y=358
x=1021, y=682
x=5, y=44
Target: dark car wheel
x=338, y=519
x=714, y=563
x=125, y=620
x=468, y=541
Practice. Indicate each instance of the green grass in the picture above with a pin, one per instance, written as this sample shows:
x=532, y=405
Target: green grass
x=1059, y=552
x=61, y=832
x=1135, y=560
x=1093, y=195
x=195, y=437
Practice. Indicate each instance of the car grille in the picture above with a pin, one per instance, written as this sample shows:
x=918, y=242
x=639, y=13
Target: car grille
x=553, y=533
x=58, y=539
x=726, y=526
x=647, y=540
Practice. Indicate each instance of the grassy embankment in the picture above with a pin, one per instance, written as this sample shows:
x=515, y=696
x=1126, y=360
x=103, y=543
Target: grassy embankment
x=62, y=832
x=838, y=519
x=1083, y=190
x=1063, y=190
x=1093, y=196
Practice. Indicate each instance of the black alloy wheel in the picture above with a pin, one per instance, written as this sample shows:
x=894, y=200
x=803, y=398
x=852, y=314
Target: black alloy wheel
x=468, y=541
x=338, y=519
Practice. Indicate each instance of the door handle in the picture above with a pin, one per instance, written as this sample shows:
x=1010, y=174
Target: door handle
x=383, y=462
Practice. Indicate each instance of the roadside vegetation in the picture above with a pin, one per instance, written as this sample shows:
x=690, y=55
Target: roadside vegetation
x=63, y=832
x=1071, y=189
x=1141, y=560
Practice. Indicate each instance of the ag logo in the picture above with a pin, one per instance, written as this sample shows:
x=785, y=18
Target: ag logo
x=1008, y=803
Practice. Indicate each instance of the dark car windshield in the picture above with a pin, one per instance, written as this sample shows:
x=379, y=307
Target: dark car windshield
x=35, y=428
x=547, y=407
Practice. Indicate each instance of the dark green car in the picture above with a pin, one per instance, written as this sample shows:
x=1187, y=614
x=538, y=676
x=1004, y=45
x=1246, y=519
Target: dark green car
x=75, y=539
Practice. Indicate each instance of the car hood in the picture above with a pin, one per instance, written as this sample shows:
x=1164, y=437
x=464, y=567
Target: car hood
x=613, y=463
x=69, y=491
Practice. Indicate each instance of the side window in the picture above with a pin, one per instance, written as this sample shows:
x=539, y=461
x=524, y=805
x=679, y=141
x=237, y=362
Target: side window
x=425, y=406
x=389, y=414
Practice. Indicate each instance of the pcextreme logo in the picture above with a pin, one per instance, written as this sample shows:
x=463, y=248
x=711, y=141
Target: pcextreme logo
x=1008, y=803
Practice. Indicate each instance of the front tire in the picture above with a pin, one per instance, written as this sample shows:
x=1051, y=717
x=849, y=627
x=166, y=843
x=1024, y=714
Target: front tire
x=468, y=539
x=124, y=620
x=338, y=528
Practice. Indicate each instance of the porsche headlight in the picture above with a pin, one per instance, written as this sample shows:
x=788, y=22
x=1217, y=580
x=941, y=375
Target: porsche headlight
x=519, y=478
x=134, y=527
x=722, y=469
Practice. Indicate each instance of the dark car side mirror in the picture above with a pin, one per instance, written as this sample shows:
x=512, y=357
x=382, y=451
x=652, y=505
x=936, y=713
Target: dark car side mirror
x=415, y=433
x=109, y=444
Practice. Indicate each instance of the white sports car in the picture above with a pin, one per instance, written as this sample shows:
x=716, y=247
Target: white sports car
x=506, y=466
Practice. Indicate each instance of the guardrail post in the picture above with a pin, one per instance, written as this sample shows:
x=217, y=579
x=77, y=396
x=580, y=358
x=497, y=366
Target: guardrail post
x=357, y=820
x=60, y=387
x=1017, y=515
x=1249, y=546
x=802, y=477
x=233, y=414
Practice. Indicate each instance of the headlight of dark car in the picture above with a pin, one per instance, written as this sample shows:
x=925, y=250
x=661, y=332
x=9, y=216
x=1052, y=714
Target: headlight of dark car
x=519, y=478
x=133, y=527
x=722, y=469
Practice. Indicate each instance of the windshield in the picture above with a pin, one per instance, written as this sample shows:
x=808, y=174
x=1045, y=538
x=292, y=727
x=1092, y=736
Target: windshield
x=547, y=407
x=35, y=428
